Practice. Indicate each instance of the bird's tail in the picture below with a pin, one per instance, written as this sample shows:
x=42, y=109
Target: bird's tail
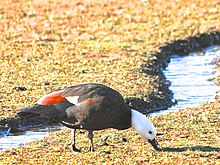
x=37, y=110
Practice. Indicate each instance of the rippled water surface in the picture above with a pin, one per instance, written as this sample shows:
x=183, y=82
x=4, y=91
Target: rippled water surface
x=190, y=78
x=188, y=75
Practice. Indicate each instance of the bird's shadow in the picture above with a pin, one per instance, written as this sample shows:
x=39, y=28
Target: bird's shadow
x=191, y=148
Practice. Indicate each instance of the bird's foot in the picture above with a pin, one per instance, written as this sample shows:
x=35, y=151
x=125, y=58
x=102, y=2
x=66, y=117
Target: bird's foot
x=91, y=149
x=73, y=148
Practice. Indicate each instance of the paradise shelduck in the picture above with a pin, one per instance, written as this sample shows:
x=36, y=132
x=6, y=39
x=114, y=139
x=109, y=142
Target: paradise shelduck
x=91, y=107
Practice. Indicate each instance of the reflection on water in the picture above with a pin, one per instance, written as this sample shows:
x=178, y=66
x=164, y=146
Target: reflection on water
x=189, y=77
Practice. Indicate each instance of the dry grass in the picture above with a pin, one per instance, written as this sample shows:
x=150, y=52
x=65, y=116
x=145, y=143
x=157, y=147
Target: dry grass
x=46, y=45
x=190, y=136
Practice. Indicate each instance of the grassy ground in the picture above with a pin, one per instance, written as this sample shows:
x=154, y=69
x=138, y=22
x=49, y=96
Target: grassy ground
x=46, y=45
x=190, y=136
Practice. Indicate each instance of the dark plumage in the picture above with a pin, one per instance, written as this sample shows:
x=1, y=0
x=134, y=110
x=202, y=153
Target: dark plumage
x=85, y=106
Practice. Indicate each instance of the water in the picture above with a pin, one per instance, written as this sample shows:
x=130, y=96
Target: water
x=190, y=78
x=13, y=141
x=188, y=75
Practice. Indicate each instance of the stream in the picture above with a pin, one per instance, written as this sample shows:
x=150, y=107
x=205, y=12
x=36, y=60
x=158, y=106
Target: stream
x=189, y=77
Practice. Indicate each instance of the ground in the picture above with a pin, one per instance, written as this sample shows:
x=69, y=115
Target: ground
x=47, y=45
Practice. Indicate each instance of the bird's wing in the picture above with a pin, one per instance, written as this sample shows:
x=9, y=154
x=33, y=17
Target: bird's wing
x=73, y=94
x=81, y=92
x=85, y=99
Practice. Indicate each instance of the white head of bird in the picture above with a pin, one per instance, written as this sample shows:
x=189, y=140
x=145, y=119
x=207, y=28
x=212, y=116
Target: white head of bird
x=144, y=127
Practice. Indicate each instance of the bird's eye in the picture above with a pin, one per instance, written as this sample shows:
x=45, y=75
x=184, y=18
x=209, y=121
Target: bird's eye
x=150, y=132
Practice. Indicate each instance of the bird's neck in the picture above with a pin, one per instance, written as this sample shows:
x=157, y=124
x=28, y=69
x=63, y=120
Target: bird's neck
x=137, y=119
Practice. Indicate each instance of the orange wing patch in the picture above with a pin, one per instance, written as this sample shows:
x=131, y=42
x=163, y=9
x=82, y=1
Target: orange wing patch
x=91, y=101
x=52, y=98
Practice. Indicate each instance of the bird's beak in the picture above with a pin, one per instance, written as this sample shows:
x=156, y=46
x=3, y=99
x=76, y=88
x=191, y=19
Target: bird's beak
x=154, y=144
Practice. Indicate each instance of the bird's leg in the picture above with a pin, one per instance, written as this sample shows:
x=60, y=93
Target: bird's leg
x=72, y=136
x=90, y=136
x=73, y=141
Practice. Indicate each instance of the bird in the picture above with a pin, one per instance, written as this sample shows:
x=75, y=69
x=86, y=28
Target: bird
x=91, y=107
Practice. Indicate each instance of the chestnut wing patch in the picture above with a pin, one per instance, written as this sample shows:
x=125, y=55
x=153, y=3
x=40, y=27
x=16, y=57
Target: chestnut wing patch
x=52, y=98
x=94, y=103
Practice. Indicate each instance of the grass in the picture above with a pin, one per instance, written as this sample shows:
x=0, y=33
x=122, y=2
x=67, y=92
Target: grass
x=46, y=45
x=189, y=136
